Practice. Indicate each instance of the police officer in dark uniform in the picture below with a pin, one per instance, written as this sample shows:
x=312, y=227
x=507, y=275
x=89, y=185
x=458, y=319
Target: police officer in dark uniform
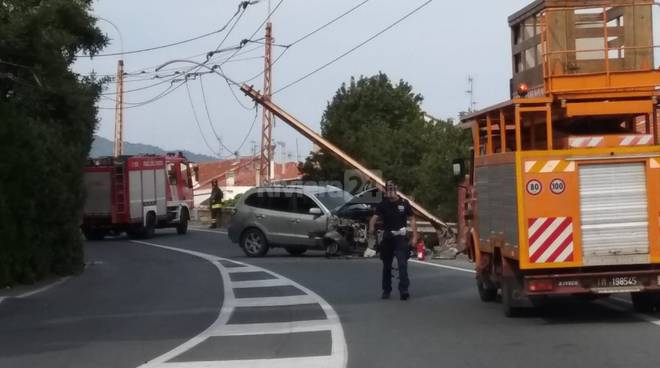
x=394, y=211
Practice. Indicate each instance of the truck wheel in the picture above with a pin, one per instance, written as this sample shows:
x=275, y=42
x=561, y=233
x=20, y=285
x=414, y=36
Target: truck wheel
x=296, y=251
x=254, y=243
x=487, y=291
x=150, y=228
x=182, y=226
x=507, y=300
x=643, y=302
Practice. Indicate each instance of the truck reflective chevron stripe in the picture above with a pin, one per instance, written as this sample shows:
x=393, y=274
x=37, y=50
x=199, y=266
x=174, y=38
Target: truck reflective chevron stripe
x=550, y=239
x=636, y=140
x=655, y=163
x=582, y=142
x=549, y=166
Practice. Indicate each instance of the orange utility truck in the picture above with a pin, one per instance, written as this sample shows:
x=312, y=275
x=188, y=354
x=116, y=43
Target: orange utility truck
x=563, y=193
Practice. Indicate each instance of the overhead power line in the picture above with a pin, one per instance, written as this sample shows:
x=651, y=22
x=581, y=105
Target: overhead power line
x=242, y=6
x=199, y=125
x=310, y=34
x=397, y=22
x=270, y=14
x=254, y=122
x=167, y=77
x=160, y=96
x=208, y=116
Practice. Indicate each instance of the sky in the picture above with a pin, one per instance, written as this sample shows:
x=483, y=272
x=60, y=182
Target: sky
x=434, y=50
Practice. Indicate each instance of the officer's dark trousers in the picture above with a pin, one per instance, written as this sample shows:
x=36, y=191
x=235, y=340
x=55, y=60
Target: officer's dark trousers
x=390, y=248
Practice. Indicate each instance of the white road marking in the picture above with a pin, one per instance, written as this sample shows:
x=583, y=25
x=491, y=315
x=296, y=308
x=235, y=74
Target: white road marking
x=201, y=230
x=273, y=301
x=645, y=317
x=275, y=328
x=259, y=283
x=243, y=269
x=42, y=289
x=443, y=266
x=307, y=362
x=338, y=357
x=37, y=291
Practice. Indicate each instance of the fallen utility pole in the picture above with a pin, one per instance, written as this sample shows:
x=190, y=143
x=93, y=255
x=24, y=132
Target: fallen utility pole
x=335, y=151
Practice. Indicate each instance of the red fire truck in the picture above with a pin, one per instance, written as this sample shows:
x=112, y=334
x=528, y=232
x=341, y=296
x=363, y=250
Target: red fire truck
x=136, y=195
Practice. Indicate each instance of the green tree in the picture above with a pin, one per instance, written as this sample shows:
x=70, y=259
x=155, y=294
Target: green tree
x=382, y=125
x=47, y=118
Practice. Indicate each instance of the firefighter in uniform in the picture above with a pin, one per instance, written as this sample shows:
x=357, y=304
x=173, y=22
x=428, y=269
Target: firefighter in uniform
x=394, y=212
x=216, y=204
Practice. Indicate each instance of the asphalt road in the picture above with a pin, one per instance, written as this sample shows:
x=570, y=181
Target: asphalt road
x=195, y=301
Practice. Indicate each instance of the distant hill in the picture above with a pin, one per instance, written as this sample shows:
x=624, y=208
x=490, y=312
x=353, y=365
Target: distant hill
x=103, y=147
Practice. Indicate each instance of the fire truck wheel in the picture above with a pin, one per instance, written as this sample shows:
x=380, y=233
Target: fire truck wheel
x=487, y=291
x=254, y=243
x=644, y=302
x=150, y=227
x=182, y=226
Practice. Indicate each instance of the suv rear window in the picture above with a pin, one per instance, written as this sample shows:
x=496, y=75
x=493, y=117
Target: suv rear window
x=272, y=201
x=257, y=200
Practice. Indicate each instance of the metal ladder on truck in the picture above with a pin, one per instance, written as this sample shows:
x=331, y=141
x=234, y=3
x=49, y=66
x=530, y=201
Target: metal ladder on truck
x=118, y=192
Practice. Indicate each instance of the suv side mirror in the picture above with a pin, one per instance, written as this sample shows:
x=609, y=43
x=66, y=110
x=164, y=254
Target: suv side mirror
x=315, y=211
x=459, y=169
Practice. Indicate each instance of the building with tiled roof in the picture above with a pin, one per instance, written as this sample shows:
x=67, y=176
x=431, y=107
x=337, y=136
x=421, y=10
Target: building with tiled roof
x=237, y=176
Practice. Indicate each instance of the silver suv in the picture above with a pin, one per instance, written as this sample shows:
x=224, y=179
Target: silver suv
x=295, y=218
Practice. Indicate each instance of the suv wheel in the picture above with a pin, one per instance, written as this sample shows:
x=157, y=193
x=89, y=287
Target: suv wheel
x=254, y=243
x=332, y=249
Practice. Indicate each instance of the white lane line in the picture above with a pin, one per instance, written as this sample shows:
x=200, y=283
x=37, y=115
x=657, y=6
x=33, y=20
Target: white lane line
x=274, y=301
x=307, y=362
x=201, y=230
x=644, y=317
x=37, y=291
x=621, y=300
x=339, y=351
x=275, y=328
x=442, y=266
x=259, y=283
x=42, y=289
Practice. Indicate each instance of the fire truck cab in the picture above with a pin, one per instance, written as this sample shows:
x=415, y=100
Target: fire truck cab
x=136, y=195
x=563, y=193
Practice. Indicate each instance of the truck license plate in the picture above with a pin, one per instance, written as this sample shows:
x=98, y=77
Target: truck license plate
x=617, y=281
